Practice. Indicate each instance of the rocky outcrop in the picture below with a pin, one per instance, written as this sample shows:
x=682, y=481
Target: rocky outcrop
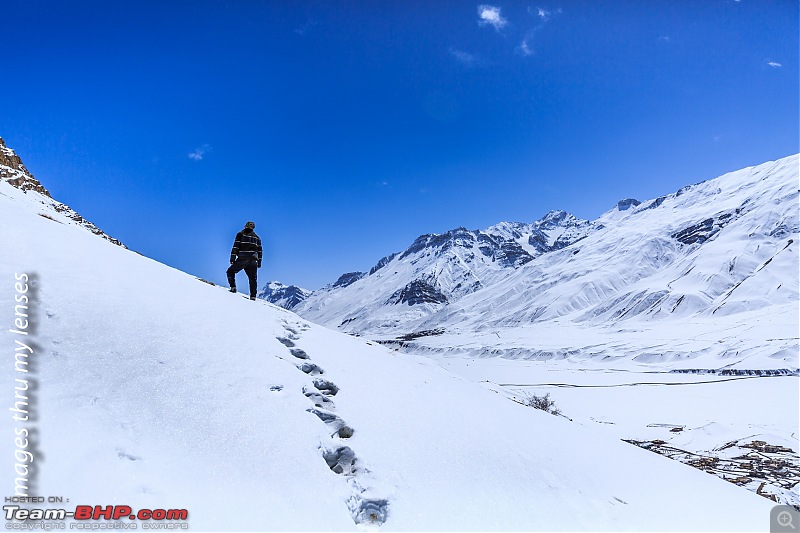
x=12, y=171
x=418, y=292
x=348, y=279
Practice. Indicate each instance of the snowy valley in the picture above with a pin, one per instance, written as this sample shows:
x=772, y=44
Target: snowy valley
x=646, y=325
x=662, y=321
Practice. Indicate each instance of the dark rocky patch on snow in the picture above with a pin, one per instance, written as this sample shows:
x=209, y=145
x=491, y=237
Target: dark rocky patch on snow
x=505, y=252
x=348, y=279
x=418, y=292
x=382, y=263
x=704, y=230
x=655, y=203
x=286, y=296
x=627, y=203
x=738, y=372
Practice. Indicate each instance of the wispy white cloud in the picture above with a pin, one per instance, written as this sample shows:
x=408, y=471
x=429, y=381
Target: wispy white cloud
x=525, y=48
x=491, y=16
x=543, y=13
x=665, y=38
x=198, y=153
x=465, y=58
x=774, y=64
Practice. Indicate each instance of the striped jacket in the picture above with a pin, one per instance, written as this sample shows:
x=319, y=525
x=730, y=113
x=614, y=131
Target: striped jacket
x=246, y=245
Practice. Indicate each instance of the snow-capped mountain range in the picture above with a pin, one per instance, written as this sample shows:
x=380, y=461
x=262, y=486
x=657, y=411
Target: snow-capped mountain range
x=715, y=248
x=438, y=269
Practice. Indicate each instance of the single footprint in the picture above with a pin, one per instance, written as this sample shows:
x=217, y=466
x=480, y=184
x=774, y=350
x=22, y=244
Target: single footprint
x=324, y=415
x=341, y=460
x=124, y=455
x=276, y=388
x=319, y=400
x=340, y=428
x=369, y=511
x=344, y=432
x=326, y=387
x=286, y=342
x=311, y=369
x=300, y=354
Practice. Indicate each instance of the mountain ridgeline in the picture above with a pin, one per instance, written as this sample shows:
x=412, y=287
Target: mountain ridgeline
x=721, y=246
x=13, y=172
x=439, y=268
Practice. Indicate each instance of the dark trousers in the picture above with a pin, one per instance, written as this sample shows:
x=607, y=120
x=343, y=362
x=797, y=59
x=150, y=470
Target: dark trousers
x=250, y=266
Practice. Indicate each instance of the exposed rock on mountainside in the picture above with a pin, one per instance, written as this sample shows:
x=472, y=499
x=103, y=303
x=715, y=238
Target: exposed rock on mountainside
x=13, y=172
x=286, y=296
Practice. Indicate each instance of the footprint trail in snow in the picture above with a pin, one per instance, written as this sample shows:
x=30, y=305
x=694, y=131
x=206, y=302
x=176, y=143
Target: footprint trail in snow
x=341, y=459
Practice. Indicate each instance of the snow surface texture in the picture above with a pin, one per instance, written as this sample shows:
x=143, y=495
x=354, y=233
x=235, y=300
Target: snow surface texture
x=717, y=256
x=161, y=391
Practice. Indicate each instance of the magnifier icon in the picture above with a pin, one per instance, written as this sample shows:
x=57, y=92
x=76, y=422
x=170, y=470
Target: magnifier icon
x=785, y=519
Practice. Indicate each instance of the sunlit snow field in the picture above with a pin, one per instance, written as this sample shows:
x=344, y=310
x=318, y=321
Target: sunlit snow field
x=153, y=389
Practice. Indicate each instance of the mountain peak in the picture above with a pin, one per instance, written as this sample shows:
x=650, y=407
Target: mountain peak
x=627, y=203
x=556, y=214
x=14, y=172
x=557, y=217
x=286, y=296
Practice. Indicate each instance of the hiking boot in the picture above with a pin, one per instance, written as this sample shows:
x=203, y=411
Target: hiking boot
x=252, y=297
x=233, y=289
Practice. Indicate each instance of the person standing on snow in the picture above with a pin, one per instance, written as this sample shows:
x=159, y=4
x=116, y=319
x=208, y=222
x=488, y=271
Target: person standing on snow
x=246, y=254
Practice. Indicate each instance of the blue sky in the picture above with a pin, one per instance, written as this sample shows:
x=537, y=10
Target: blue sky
x=347, y=129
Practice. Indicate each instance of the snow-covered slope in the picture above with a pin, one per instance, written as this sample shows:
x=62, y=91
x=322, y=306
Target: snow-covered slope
x=703, y=278
x=152, y=389
x=716, y=248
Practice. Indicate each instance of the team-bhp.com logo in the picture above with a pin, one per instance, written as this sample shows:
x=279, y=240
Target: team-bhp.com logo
x=96, y=512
